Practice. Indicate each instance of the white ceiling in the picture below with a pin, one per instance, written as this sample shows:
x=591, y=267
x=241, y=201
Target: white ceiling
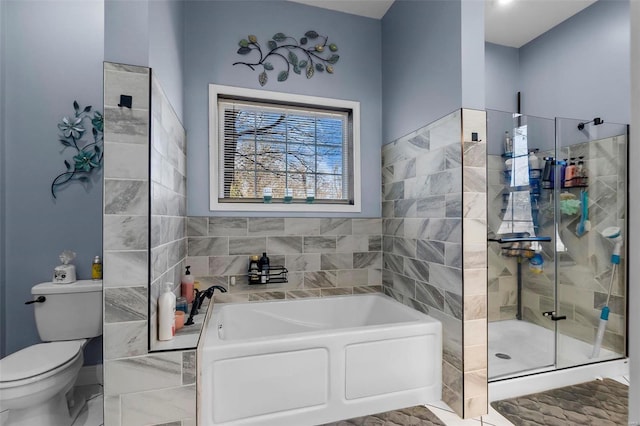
x=513, y=24
x=518, y=22
x=369, y=8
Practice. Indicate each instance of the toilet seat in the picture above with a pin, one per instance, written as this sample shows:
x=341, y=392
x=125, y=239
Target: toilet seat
x=38, y=361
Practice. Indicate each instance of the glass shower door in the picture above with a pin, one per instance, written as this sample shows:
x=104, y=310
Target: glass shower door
x=592, y=206
x=521, y=245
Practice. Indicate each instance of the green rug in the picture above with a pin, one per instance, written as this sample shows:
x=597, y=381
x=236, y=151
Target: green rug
x=598, y=403
x=413, y=416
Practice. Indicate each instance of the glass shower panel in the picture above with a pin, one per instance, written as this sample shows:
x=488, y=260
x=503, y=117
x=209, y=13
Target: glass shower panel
x=521, y=244
x=592, y=205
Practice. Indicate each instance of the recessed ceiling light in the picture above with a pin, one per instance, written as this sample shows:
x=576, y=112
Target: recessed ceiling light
x=504, y=2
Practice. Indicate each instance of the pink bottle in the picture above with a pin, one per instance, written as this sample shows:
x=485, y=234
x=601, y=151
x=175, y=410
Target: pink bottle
x=187, y=285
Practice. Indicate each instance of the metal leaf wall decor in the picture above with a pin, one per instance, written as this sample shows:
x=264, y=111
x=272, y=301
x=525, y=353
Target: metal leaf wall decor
x=88, y=153
x=310, y=54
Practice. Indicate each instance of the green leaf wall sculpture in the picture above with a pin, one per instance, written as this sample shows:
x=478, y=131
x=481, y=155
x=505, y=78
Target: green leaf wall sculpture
x=88, y=153
x=310, y=53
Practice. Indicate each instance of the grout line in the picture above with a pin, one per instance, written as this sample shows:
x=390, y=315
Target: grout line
x=438, y=408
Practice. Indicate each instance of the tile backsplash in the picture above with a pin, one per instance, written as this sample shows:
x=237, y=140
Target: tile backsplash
x=324, y=256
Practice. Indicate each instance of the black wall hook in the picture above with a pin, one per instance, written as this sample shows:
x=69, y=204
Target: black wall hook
x=126, y=101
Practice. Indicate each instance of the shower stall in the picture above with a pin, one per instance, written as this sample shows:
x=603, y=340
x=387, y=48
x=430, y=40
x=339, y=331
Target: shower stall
x=554, y=187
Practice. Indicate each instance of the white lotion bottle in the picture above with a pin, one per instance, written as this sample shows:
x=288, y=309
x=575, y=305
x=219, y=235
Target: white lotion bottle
x=166, y=313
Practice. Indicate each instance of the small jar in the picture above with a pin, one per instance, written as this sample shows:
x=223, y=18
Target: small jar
x=181, y=304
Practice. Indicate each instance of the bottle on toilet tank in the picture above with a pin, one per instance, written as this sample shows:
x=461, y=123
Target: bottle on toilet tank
x=166, y=313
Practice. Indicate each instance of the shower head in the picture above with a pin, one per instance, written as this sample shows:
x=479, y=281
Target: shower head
x=596, y=121
x=613, y=233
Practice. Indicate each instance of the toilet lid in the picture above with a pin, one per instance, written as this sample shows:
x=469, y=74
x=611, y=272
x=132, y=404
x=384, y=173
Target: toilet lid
x=37, y=359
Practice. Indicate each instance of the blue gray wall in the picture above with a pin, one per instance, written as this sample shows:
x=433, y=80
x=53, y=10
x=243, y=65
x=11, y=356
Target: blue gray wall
x=126, y=31
x=502, y=77
x=214, y=30
x=166, y=44
x=472, y=54
x=150, y=34
x=421, y=47
x=433, y=62
x=580, y=68
x=53, y=56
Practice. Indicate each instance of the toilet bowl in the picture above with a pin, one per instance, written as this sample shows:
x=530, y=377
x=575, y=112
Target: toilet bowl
x=36, y=381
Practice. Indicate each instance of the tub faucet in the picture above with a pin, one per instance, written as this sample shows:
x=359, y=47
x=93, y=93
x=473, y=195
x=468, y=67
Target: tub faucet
x=199, y=299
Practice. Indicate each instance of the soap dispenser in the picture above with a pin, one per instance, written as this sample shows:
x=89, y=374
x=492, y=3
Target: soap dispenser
x=186, y=285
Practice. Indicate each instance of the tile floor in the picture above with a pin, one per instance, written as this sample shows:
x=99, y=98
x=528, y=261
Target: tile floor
x=91, y=415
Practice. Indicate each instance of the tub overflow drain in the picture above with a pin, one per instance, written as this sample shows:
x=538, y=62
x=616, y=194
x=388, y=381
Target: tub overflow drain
x=503, y=356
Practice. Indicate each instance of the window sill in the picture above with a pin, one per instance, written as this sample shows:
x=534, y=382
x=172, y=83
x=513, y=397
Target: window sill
x=285, y=208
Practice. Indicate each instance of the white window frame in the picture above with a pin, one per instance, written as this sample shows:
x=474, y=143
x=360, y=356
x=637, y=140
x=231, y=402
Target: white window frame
x=216, y=91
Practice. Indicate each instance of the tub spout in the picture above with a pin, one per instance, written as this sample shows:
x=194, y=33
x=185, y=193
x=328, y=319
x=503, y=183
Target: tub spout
x=199, y=299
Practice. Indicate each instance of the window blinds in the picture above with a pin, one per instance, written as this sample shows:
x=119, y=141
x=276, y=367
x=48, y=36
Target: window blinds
x=263, y=145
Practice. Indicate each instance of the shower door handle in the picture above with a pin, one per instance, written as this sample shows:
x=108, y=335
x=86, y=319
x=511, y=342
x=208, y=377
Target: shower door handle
x=553, y=316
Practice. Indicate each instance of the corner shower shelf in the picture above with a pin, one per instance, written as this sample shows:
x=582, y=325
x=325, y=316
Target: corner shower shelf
x=518, y=247
x=519, y=239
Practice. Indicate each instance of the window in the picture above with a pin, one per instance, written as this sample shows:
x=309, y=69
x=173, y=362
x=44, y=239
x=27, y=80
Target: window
x=294, y=145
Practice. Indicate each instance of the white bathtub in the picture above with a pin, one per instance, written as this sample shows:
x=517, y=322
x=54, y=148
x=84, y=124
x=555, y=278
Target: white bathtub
x=313, y=361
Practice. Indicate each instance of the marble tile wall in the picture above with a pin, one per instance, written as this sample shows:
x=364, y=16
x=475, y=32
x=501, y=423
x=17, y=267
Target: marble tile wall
x=324, y=256
x=139, y=387
x=168, y=169
x=430, y=193
x=502, y=271
x=474, y=262
x=584, y=270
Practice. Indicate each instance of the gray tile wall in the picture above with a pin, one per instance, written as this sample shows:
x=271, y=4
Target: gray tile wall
x=415, y=252
x=422, y=233
x=324, y=256
x=168, y=172
x=139, y=387
x=584, y=271
x=474, y=264
x=430, y=191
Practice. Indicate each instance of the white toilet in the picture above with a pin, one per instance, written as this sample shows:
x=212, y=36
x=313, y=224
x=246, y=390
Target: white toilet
x=36, y=382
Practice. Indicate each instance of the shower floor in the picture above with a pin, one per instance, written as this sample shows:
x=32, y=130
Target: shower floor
x=530, y=348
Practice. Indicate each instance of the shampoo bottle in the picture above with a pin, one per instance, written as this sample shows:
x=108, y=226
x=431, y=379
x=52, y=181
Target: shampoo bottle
x=166, y=313
x=569, y=174
x=264, y=269
x=534, y=161
x=186, y=287
x=508, y=143
x=254, y=270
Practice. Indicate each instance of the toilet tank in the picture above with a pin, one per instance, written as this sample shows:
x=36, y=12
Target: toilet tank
x=69, y=311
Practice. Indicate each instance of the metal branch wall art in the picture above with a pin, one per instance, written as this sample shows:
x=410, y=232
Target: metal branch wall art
x=310, y=54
